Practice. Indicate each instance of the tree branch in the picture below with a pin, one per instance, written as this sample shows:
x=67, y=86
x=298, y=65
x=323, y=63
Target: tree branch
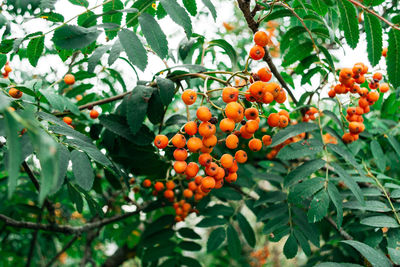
x=67, y=229
x=366, y=9
x=122, y=254
x=342, y=232
x=67, y=246
x=244, y=6
x=33, y=242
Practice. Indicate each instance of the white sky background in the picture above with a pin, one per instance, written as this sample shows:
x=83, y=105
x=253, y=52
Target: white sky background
x=202, y=25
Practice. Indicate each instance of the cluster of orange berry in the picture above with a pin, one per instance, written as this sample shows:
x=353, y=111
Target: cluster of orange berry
x=310, y=114
x=261, y=39
x=7, y=70
x=259, y=257
x=349, y=78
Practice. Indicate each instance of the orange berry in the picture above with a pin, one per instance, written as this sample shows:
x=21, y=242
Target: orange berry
x=283, y=121
x=273, y=119
x=180, y=154
x=67, y=120
x=69, y=79
x=377, y=76
x=241, y=156
x=230, y=94
x=267, y=140
x=383, y=87
x=251, y=113
x=15, y=93
x=170, y=185
x=234, y=111
x=94, y=114
x=267, y=98
x=231, y=177
x=180, y=166
x=187, y=193
x=373, y=96
x=227, y=125
x=169, y=194
x=384, y=52
x=226, y=161
x=357, y=68
x=205, y=159
x=273, y=88
x=257, y=52
x=261, y=38
x=191, y=128
x=255, y=144
x=339, y=89
x=244, y=134
x=212, y=169
x=198, y=179
x=360, y=79
x=208, y=183
x=178, y=140
x=203, y=113
x=359, y=111
x=234, y=168
x=206, y=129
x=158, y=186
x=348, y=138
x=219, y=183
x=146, y=183
x=7, y=68
x=363, y=92
x=346, y=73
x=210, y=141
x=257, y=90
x=192, y=169
x=232, y=141
x=194, y=144
x=220, y=174
x=356, y=127
x=161, y=141
x=264, y=74
x=363, y=102
x=373, y=85
x=281, y=97
x=192, y=185
x=189, y=97
x=251, y=126
x=249, y=97
x=331, y=93
x=366, y=109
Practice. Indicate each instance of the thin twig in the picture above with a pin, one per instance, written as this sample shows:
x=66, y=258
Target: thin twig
x=67, y=246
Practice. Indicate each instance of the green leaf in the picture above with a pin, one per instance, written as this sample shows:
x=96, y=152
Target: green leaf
x=35, y=49
x=115, y=51
x=373, y=30
x=349, y=181
x=68, y=131
x=318, y=207
x=219, y=209
x=234, y=247
x=395, y=144
x=393, y=57
x=211, y=221
x=346, y=155
x=114, y=18
x=229, y=50
x=320, y=7
x=190, y=6
x=349, y=22
x=290, y=248
x=133, y=48
x=375, y=257
x=334, y=118
x=215, y=239
x=302, y=240
x=51, y=16
x=337, y=201
x=74, y=37
x=167, y=90
x=79, y=3
x=211, y=7
x=189, y=246
x=380, y=221
x=178, y=15
x=154, y=35
x=279, y=13
x=82, y=169
x=378, y=154
x=137, y=104
x=304, y=190
x=64, y=157
x=300, y=149
x=291, y=131
x=247, y=231
x=373, y=2
x=96, y=56
x=3, y=60
x=297, y=52
x=14, y=152
x=303, y=171
x=90, y=149
x=155, y=109
x=188, y=233
x=370, y=205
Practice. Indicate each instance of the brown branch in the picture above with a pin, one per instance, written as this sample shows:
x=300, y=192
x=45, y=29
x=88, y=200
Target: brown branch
x=67, y=246
x=67, y=229
x=366, y=9
x=253, y=25
x=122, y=254
x=33, y=242
x=342, y=232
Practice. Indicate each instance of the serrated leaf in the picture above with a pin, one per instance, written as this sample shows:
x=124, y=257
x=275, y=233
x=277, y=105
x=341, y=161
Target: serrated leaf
x=115, y=51
x=190, y=6
x=395, y=144
x=346, y=155
x=373, y=2
x=74, y=37
x=154, y=35
x=51, y=16
x=211, y=7
x=155, y=109
x=14, y=152
x=318, y=207
x=393, y=57
x=291, y=131
x=178, y=15
x=247, y=230
x=320, y=7
x=96, y=56
x=300, y=149
x=35, y=50
x=234, y=247
x=3, y=60
x=189, y=246
x=334, y=117
x=211, y=221
x=188, y=233
x=349, y=181
x=297, y=52
x=375, y=257
x=290, y=248
x=302, y=240
x=79, y=2
x=82, y=169
x=64, y=157
x=134, y=48
x=137, y=104
x=230, y=51
x=370, y=205
x=349, y=22
x=337, y=201
x=304, y=190
x=303, y=171
x=114, y=18
x=215, y=239
x=167, y=90
x=380, y=221
x=373, y=30
x=378, y=154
